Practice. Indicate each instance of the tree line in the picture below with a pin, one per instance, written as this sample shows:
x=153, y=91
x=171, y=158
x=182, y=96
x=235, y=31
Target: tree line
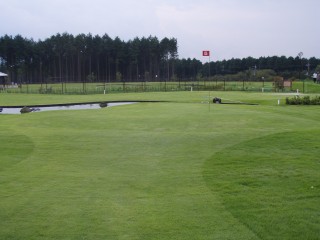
x=288, y=67
x=64, y=57
x=87, y=58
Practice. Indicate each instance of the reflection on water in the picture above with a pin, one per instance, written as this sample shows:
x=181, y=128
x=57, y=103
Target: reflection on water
x=16, y=110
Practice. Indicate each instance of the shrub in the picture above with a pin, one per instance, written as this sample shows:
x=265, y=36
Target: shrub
x=103, y=104
x=25, y=110
x=306, y=100
x=278, y=83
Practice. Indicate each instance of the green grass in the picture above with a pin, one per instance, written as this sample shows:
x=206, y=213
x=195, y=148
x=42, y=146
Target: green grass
x=307, y=85
x=278, y=179
x=119, y=87
x=170, y=170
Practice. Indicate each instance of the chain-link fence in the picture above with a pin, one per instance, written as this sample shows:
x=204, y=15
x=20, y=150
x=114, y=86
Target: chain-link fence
x=123, y=87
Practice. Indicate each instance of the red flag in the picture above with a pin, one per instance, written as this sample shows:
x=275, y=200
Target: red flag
x=206, y=53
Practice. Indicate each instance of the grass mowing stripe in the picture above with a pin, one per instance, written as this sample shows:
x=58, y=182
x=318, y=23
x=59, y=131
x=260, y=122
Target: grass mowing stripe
x=136, y=172
x=275, y=176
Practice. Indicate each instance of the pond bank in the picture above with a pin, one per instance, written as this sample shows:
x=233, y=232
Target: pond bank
x=66, y=106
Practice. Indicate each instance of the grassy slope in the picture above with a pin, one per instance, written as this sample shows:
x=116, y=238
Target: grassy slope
x=195, y=97
x=160, y=170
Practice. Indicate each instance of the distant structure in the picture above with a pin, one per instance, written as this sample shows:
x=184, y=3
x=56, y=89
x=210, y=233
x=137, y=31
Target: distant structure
x=3, y=79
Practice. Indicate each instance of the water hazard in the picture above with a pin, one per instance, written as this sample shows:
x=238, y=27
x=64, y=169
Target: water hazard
x=17, y=110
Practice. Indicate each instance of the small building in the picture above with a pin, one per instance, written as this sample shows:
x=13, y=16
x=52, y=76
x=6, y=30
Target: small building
x=3, y=79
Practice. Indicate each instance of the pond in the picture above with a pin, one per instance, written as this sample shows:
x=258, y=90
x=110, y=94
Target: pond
x=79, y=106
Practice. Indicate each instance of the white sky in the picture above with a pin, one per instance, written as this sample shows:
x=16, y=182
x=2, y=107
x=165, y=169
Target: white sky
x=228, y=28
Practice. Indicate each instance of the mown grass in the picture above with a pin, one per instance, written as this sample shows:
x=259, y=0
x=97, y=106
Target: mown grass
x=273, y=176
x=181, y=97
x=170, y=170
x=306, y=86
x=121, y=87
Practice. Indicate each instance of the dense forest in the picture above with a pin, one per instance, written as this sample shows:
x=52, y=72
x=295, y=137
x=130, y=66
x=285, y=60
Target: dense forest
x=87, y=58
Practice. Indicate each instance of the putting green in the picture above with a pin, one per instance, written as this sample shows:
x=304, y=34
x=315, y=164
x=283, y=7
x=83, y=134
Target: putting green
x=14, y=149
x=275, y=176
x=169, y=170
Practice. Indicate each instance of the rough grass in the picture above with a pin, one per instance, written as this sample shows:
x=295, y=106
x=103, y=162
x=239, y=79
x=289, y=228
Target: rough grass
x=171, y=170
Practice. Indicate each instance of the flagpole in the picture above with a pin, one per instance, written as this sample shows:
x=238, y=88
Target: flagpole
x=206, y=53
x=209, y=68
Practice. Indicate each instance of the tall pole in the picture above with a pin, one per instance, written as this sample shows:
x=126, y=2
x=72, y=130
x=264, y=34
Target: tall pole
x=41, y=75
x=300, y=54
x=209, y=68
x=206, y=53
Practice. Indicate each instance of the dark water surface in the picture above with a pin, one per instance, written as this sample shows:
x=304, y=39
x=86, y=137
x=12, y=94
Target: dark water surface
x=16, y=110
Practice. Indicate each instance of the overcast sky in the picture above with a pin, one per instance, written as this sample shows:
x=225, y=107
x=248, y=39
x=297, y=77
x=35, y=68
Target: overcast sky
x=228, y=28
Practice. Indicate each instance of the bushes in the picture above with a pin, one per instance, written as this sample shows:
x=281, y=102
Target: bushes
x=306, y=100
x=25, y=110
x=103, y=104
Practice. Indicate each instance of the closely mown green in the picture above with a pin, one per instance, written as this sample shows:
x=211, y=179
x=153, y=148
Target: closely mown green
x=182, y=169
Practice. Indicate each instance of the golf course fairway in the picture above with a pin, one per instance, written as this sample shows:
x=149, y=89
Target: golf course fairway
x=177, y=169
